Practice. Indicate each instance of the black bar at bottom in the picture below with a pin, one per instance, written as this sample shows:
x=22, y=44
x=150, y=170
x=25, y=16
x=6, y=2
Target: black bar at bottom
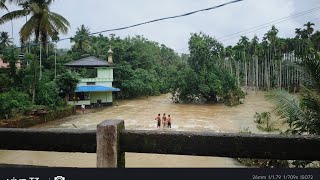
x=185, y=174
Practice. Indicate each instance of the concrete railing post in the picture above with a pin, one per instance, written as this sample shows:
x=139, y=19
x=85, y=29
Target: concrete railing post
x=108, y=149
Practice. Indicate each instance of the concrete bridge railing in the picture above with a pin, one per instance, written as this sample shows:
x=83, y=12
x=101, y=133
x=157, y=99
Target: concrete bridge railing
x=110, y=141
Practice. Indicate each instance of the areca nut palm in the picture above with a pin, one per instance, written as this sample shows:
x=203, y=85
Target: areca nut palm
x=309, y=27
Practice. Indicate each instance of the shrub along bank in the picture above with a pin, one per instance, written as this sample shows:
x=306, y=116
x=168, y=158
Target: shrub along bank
x=25, y=121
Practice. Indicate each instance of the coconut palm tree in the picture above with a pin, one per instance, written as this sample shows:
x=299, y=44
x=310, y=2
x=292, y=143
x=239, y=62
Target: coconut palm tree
x=4, y=39
x=43, y=24
x=81, y=39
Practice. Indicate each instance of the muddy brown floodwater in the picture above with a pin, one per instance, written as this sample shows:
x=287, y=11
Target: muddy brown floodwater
x=140, y=114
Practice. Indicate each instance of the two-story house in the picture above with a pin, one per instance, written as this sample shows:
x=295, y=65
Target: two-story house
x=96, y=90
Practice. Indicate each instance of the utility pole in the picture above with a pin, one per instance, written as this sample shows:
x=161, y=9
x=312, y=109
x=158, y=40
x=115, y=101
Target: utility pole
x=12, y=31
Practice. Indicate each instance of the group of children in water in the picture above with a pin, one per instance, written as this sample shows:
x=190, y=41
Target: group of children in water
x=164, y=121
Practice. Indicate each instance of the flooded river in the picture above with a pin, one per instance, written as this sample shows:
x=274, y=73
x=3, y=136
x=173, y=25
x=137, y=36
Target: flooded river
x=140, y=114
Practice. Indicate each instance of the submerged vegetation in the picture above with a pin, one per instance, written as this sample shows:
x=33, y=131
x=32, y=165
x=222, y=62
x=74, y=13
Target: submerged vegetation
x=203, y=78
x=264, y=123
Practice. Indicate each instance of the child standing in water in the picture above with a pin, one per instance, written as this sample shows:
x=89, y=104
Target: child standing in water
x=158, y=118
x=169, y=121
x=164, y=120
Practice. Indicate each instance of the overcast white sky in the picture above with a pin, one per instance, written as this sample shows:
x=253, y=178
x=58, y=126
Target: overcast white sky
x=106, y=14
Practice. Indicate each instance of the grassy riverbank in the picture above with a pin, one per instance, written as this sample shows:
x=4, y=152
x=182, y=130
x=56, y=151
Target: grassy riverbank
x=25, y=121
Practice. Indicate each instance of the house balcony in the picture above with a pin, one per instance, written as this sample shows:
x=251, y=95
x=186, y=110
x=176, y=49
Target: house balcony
x=85, y=80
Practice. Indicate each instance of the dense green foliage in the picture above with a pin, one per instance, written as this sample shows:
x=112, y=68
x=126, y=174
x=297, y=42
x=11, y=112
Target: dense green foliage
x=13, y=102
x=43, y=25
x=67, y=82
x=203, y=79
x=263, y=121
x=48, y=94
x=145, y=68
x=142, y=67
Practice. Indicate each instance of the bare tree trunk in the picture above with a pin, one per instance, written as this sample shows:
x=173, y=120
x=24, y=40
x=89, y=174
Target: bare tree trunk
x=34, y=77
x=266, y=72
x=280, y=73
x=66, y=99
x=237, y=72
x=269, y=70
x=261, y=74
x=257, y=73
x=245, y=70
x=287, y=71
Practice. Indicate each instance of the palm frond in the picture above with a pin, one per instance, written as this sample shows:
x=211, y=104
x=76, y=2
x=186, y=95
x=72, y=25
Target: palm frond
x=311, y=100
x=18, y=1
x=312, y=67
x=35, y=8
x=59, y=22
x=3, y=5
x=287, y=107
x=49, y=2
x=28, y=29
x=13, y=15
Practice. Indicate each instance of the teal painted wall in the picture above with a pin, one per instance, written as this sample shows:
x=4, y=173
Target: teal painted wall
x=105, y=73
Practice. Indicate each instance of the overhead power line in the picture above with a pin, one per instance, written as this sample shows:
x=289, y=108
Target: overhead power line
x=143, y=23
x=161, y=19
x=266, y=25
x=262, y=26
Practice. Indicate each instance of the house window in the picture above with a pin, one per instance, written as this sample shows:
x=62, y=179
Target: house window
x=91, y=83
x=4, y=61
